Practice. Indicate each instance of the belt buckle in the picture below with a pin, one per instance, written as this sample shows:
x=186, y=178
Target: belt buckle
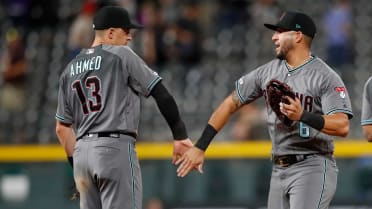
x=114, y=135
x=282, y=162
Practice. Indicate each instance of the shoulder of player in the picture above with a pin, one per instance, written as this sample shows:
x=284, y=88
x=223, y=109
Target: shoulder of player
x=66, y=70
x=119, y=50
x=321, y=67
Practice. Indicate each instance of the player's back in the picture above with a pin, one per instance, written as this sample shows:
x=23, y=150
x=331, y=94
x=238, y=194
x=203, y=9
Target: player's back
x=97, y=92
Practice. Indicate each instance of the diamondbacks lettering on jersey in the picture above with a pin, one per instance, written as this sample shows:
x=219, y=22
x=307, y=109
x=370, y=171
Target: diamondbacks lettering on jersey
x=307, y=101
x=93, y=63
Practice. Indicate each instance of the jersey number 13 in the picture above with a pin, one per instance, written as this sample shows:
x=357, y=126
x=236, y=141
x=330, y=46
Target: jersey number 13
x=92, y=102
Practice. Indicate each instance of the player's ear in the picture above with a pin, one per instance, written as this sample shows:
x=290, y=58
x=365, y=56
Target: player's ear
x=299, y=36
x=110, y=33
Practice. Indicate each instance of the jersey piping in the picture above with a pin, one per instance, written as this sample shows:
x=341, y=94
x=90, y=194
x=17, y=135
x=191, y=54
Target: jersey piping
x=324, y=180
x=299, y=67
x=132, y=176
x=341, y=110
x=153, y=83
x=366, y=122
x=238, y=92
x=59, y=117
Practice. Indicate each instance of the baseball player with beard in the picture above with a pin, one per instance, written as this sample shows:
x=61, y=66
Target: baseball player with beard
x=304, y=171
x=98, y=114
x=367, y=110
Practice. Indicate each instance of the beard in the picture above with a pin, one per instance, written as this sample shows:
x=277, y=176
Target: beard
x=280, y=56
x=284, y=49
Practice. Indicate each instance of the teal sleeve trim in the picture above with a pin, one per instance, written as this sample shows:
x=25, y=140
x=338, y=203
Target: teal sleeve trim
x=153, y=83
x=347, y=111
x=366, y=122
x=238, y=92
x=61, y=118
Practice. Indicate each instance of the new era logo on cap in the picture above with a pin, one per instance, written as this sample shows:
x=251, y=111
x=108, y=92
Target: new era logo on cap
x=295, y=21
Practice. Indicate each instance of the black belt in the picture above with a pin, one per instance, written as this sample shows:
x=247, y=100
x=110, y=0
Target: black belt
x=110, y=134
x=287, y=160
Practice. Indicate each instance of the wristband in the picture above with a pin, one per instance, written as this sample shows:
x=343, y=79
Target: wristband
x=71, y=161
x=206, y=138
x=314, y=120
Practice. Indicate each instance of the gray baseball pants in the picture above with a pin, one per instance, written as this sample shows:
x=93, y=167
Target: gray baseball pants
x=309, y=184
x=107, y=172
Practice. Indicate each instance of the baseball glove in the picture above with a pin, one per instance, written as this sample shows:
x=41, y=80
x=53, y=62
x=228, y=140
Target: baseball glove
x=75, y=193
x=276, y=92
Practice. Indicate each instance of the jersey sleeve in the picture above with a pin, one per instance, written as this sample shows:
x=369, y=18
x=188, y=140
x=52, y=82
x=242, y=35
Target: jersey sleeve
x=248, y=87
x=335, y=97
x=141, y=78
x=63, y=113
x=366, y=118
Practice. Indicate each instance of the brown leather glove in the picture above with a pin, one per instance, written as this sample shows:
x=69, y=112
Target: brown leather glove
x=276, y=93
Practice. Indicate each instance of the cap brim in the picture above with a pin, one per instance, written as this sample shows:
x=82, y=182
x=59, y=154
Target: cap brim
x=272, y=27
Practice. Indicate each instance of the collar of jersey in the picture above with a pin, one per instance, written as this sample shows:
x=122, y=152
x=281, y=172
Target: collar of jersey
x=312, y=57
x=84, y=50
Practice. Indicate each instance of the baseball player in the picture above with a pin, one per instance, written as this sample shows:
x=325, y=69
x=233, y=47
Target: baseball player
x=367, y=110
x=98, y=113
x=304, y=172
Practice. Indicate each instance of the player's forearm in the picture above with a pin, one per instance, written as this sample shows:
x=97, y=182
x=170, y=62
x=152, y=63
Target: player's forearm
x=336, y=124
x=66, y=137
x=367, y=130
x=222, y=114
x=168, y=108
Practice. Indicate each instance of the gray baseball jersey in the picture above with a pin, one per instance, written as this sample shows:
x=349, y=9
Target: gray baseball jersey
x=100, y=93
x=320, y=91
x=310, y=183
x=100, y=90
x=367, y=103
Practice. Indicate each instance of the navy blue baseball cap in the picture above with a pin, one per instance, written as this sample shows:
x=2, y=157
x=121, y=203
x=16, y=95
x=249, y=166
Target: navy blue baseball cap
x=113, y=17
x=295, y=21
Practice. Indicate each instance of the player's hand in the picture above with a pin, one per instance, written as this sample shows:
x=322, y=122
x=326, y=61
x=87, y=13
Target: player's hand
x=192, y=159
x=293, y=110
x=75, y=193
x=180, y=147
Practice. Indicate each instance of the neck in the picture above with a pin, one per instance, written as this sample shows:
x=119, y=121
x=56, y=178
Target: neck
x=297, y=58
x=97, y=42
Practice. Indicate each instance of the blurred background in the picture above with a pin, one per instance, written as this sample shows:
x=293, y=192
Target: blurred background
x=199, y=48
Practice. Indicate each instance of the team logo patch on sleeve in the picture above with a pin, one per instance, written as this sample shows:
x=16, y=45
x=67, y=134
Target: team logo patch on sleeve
x=341, y=91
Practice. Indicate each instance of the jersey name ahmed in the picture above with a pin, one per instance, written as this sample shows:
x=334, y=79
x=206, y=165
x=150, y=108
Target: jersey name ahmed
x=81, y=66
x=100, y=90
x=320, y=90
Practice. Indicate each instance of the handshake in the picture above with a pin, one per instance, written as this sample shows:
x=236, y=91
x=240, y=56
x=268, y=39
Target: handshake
x=187, y=157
